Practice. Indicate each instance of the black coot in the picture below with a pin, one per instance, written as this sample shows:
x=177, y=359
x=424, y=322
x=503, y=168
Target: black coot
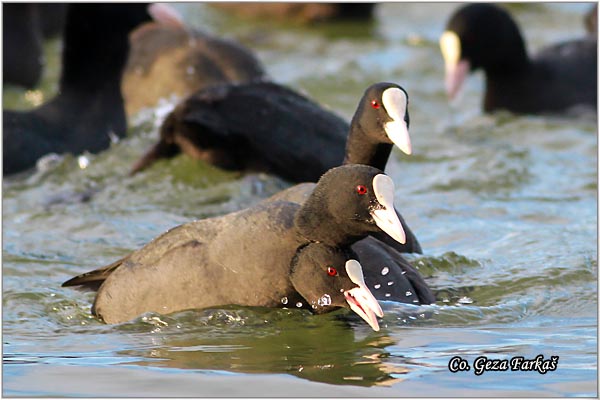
x=256, y=126
x=246, y=258
x=381, y=119
x=556, y=79
x=268, y=127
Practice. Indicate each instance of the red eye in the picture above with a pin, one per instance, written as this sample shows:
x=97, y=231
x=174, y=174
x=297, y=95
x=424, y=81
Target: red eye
x=331, y=271
x=361, y=189
x=375, y=104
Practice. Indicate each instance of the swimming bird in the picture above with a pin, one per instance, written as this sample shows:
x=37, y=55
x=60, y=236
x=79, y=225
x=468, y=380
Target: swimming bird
x=246, y=257
x=389, y=275
x=88, y=110
x=268, y=127
x=557, y=78
x=175, y=60
x=253, y=126
x=372, y=134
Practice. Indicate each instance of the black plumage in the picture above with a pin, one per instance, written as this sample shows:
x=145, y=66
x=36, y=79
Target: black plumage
x=556, y=79
x=89, y=109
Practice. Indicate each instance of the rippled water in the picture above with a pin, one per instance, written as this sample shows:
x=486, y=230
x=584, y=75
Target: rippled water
x=505, y=208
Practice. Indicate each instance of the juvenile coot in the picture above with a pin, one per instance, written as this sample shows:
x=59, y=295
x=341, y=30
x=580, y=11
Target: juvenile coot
x=245, y=258
x=485, y=36
x=175, y=60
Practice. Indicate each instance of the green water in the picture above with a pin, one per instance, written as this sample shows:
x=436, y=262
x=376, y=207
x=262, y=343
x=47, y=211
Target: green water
x=505, y=208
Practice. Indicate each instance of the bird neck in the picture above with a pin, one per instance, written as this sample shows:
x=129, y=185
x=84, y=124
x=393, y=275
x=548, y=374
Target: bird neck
x=321, y=226
x=362, y=149
x=509, y=57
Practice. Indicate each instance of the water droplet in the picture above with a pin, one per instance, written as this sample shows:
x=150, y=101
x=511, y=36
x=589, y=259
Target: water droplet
x=411, y=317
x=415, y=300
x=298, y=304
x=385, y=271
x=403, y=272
x=48, y=161
x=465, y=300
x=445, y=300
x=284, y=300
x=324, y=300
x=390, y=283
x=377, y=286
x=83, y=162
x=387, y=295
x=422, y=315
x=408, y=293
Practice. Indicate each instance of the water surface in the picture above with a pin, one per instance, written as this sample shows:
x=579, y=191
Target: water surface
x=505, y=208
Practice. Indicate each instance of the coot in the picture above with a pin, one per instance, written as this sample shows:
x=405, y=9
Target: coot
x=485, y=36
x=246, y=257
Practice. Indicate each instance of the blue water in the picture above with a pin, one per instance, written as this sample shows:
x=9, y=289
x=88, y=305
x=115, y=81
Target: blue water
x=505, y=208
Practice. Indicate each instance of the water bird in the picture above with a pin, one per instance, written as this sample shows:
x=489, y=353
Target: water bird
x=88, y=112
x=253, y=126
x=265, y=126
x=175, y=60
x=247, y=257
x=380, y=120
x=556, y=79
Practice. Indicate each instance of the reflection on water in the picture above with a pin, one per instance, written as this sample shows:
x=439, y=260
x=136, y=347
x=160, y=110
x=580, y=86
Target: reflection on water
x=505, y=207
x=289, y=342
